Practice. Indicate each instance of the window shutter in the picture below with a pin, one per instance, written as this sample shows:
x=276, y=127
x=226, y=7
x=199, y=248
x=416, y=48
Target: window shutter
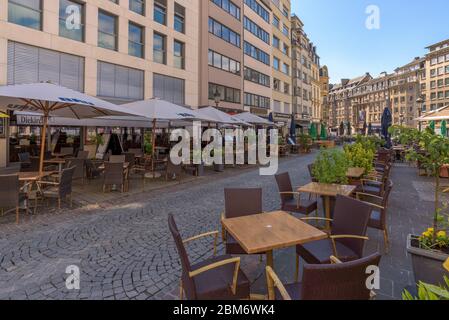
x=105, y=80
x=25, y=64
x=49, y=62
x=121, y=82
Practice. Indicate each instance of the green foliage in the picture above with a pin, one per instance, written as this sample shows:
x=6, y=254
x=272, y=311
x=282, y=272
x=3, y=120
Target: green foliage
x=360, y=156
x=305, y=140
x=371, y=142
x=429, y=292
x=331, y=166
x=432, y=152
x=99, y=140
x=148, y=143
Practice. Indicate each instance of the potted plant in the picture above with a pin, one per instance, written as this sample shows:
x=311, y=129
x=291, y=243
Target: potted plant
x=305, y=141
x=360, y=156
x=430, y=249
x=429, y=292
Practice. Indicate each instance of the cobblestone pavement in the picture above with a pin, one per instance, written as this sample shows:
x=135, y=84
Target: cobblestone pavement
x=124, y=250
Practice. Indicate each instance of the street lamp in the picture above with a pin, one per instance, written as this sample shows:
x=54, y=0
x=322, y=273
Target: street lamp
x=420, y=102
x=217, y=97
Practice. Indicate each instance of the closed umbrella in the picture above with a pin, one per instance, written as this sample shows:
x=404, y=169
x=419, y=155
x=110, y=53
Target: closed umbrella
x=323, y=135
x=3, y=115
x=386, y=122
x=444, y=128
x=342, y=129
x=364, y=128
x=293, y=129
x=313, y=131
x=349, y=129
x=432, y=126
x=370, y=129
x=49, y=99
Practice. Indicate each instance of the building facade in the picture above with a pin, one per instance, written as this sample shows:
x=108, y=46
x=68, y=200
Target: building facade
x=324, y=90
x=435, y=78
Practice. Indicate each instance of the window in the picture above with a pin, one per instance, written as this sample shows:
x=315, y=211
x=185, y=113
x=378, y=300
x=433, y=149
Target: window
x=136, y=40
x=178, y=54
x=257, y=77
x=159, y=48
x=229, y=7
x=254, y=100
x=256, y=30
x=119, y=83
x=224, y=32
x=286, y=69
x=227, y=94
x=277, y=84
x=71, y=20
x=224, y=63
x=276, y=42
x=179, y=23
x=286, y=88
x=257, y=8
x=27, y=13
x=169, y=89
x=107, y=30
x=286, y=31
x=276, y=63
x=286, y=49
x=137, y=6
x=256, y=53
x=160, y=11
x=276, y=22
x=29, y=64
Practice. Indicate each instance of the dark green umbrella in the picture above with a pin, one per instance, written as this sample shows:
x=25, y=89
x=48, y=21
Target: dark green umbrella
x=444, y=128
x=349, y=129
x=432, y=126
x=313, y=131
x=323, y=135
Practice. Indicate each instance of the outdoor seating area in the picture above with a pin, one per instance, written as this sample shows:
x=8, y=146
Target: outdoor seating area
x=331, y=243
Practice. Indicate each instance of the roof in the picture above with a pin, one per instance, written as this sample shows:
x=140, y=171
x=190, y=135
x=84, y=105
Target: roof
x=436, y=115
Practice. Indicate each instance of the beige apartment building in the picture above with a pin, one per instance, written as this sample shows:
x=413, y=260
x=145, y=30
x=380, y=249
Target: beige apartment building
x=324, y=90
x=282, y=61
x=316, y=90
x=405, y=89
x=120, y=51
x=435, y=80
x=302, y=60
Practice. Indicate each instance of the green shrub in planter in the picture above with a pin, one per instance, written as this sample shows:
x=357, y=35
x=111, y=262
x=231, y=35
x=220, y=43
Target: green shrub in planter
x=305, y=142
x=360, y=156
x=429, y=292
x=331, y=166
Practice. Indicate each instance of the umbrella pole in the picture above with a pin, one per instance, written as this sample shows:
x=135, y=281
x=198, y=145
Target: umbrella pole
x=43, y=140
x=153, y=138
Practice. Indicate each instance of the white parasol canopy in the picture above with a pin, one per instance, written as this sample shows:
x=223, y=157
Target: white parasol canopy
x=53, y=100
x=253, y=119
x=221, y=117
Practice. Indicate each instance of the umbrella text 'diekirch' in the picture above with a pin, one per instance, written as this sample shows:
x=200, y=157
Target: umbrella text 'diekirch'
x=49, y=99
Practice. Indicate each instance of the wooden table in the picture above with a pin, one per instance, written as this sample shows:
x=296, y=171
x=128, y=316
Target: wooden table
x=327, y=191
x=32, y=177
x=125, y=166
x=355, y=173
x=265, y=232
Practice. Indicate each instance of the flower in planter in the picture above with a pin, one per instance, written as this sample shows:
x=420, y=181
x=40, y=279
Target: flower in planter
x=426, y=239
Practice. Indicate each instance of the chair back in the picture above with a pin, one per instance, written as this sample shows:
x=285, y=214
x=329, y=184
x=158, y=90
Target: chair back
x=113, y=173
x=385, y=200
x=9, y=190
x=79, y=165
x=310, y=168
x=82, y=154
x=65, y=183
x=351, y=217
x=136, y=151
x=242, y=202
x=24, y=157
x=117, y=159
x=284, y=185
x=188, y=282
x=343, y=281
x=130, y=158
x=67, y=151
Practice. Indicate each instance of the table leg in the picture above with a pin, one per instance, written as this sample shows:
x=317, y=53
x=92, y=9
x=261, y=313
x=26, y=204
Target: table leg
x=60, y=168
x=327, y=208
x=270, y=259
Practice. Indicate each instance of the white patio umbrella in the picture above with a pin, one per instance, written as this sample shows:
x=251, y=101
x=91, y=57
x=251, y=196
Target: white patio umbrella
x=49, y=99
x=157, y=110
x=253, y=119
x=221, y=117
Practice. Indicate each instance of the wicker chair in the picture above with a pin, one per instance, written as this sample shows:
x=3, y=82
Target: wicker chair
x=336, y=281
x=58, y=190
x=238, y=203
x=347, y=235
x=288, y=200
x=11, y=195
x=80, y=168
x=114, y=175
x=82, y=155
x=218, y=278
x=117, y=159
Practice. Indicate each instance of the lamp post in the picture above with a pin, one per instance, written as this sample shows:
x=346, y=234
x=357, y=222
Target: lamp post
x=420, y=102
x=217, y=97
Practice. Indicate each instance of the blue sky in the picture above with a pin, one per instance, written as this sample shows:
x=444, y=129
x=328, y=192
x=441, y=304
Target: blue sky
x=349, y=49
